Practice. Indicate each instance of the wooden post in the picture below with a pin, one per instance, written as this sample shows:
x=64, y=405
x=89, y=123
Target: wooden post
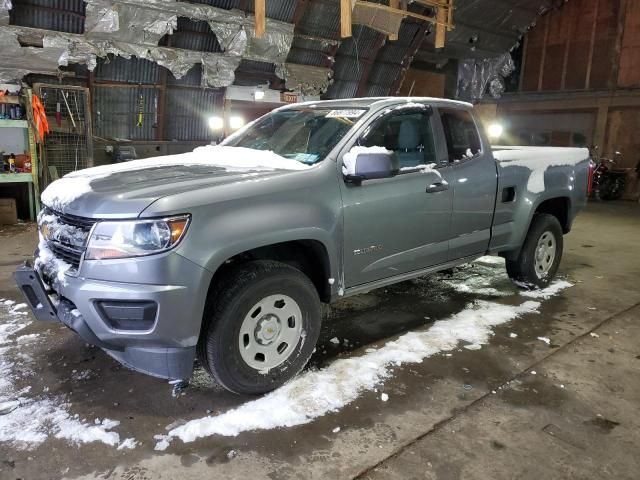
x=543, y=57
x=441, y=28
x=571, y=12
x=523, y=62
x=615, y=60
x=261, y=17
x=345, y=18
x=226, y=116
x=592, y=45
x=394, y=4
x=600, y=133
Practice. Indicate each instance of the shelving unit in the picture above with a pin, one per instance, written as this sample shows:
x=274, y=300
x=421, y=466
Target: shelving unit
x=4, y=123
x=31, y=179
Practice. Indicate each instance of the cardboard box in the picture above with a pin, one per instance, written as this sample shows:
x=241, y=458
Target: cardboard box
x=8, y=212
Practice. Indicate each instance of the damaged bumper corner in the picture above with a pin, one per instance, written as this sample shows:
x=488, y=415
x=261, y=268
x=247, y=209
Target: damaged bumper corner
x=89, y=308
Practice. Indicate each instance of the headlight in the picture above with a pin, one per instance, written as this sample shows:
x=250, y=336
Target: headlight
x=135, y=238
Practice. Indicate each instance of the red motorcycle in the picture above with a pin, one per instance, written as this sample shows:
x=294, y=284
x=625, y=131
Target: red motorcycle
x=607, y=182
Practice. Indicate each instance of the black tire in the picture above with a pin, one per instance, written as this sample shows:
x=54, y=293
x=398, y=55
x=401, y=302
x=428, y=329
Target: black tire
x=242, y=289
x=605, y=189
x=523, y=270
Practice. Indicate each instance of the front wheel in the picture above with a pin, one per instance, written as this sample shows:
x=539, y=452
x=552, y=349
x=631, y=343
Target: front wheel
x=262, y=327
x=541, y=253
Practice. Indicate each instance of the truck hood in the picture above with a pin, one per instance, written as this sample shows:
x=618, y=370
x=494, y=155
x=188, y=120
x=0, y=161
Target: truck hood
x=126, y=189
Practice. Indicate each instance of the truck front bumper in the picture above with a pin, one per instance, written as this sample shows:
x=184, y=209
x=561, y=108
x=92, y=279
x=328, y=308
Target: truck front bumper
x=150, y=328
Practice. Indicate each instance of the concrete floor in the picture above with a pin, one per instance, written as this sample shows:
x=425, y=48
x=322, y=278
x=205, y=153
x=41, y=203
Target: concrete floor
x=577, y=417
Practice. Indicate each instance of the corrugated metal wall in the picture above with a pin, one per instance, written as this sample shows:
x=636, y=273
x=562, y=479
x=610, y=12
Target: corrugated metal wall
x=282, y=10
x=193, y=35
x=188, y=112
x=58, y=15
x=115, y=112
x=225, y=4
x=193, y=77
x=134, y=70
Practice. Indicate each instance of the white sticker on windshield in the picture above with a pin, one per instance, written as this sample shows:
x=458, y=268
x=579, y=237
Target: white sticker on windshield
x=345, y=113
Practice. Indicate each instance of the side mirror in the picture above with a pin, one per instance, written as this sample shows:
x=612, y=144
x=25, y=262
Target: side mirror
x=362, y=163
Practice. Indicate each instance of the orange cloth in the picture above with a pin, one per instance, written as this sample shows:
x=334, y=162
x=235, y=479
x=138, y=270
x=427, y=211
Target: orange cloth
x=39, y=117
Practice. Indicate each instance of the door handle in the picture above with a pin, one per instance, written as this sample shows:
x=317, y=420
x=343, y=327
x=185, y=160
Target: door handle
x=438, y=187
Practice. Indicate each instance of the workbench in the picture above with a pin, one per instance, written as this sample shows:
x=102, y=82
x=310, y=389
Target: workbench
x=34, y=202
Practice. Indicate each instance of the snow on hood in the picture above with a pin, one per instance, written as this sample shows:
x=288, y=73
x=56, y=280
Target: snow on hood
x=538, y=160
x=234, y=159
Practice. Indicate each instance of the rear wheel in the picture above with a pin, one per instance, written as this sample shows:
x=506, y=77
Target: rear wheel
x=607, y=189
x=261, y=327
x=541, y=253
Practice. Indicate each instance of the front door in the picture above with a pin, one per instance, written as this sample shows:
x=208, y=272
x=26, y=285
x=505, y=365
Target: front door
x=400, y=224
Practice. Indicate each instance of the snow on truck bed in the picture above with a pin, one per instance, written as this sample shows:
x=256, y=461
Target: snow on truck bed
x=538, y=160
x=235, y=159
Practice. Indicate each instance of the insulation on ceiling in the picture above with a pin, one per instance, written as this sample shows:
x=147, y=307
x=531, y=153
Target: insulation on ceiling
x=134, y=27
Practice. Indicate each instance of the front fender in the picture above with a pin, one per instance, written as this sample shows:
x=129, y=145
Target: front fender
x=221, y=231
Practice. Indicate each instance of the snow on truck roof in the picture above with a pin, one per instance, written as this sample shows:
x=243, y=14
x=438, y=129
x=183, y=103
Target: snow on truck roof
x=379, y=101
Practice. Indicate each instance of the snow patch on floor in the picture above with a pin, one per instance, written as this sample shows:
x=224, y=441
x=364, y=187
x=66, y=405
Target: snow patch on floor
x=485, y=276
x=546, y=293
x=318, y=392
x=37, y=419
x=33, y=419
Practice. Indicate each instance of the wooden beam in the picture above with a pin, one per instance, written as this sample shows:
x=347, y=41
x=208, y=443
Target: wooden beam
x=261, y=17
x=523, y=61
x=416, y=42
x=226, y=117
x=570, y=13
x=366, y=71
x=345, y=18
x=404, y=13
x=299, y=11
x=441, y=28
x=592, y=45
x=313, y=38
x=543, y=57
x=615, y=60
x=432, y=3
x=394, y=4
x=160, y=112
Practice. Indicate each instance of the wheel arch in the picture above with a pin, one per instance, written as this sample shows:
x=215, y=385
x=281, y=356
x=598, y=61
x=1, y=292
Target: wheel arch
x=559, y=207
x=309, y=255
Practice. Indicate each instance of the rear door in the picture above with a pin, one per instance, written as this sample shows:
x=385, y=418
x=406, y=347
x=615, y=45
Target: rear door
x=400, y=224
x=474, y=183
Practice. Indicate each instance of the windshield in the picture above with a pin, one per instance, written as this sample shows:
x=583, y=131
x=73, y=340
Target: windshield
x=303, y=134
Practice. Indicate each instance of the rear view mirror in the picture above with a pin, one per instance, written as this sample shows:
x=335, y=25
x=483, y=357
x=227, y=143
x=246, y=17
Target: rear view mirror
x=368, y=163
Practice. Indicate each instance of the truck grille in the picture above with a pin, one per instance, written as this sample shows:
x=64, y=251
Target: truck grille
x=67, y=235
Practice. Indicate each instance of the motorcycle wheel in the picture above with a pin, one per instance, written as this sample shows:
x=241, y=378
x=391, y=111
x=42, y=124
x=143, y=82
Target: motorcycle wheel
x=608, y=190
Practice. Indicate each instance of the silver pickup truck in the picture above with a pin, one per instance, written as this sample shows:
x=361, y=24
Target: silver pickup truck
x=227, y=253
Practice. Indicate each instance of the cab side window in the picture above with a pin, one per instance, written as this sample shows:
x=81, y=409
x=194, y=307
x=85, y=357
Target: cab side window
x=461, y=133
x=408, y=135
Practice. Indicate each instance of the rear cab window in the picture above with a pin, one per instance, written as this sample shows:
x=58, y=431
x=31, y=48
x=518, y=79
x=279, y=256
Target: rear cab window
x=461, y=134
